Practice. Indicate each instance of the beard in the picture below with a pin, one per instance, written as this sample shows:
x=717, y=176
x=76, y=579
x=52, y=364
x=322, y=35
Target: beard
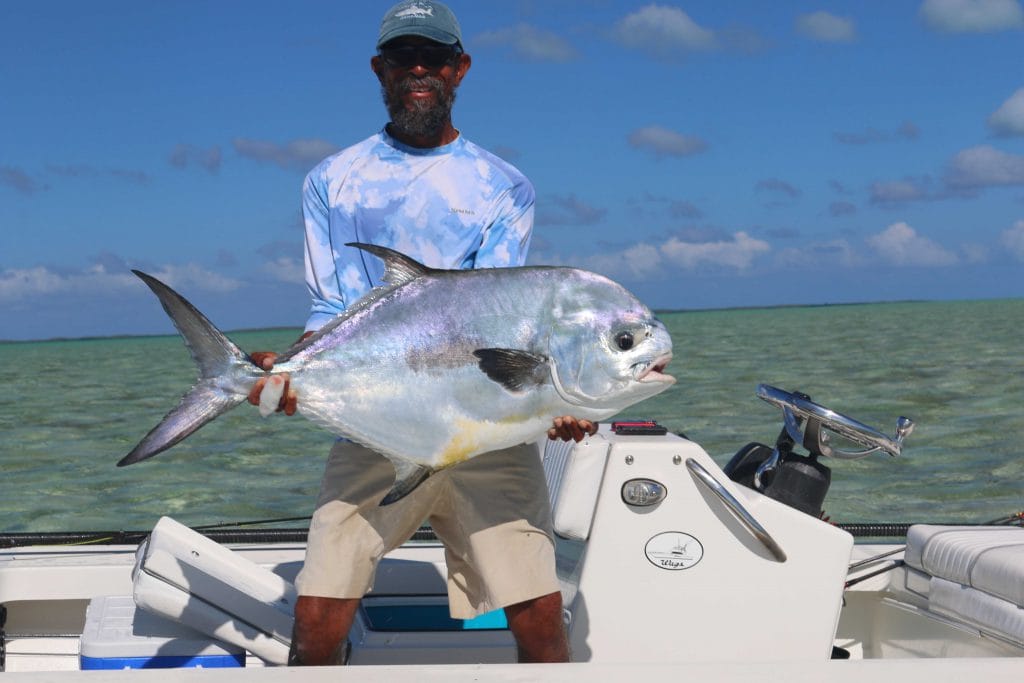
x=424, y=119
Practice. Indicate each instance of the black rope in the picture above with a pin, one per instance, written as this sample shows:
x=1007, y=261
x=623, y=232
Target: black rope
x=899, y=529
x=87, y=538
x=221, y=534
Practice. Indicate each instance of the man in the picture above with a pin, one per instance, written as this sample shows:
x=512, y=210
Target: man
x=420, y=187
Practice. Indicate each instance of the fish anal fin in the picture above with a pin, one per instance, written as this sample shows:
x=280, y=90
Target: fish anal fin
x=408, y=475
x=515, y=370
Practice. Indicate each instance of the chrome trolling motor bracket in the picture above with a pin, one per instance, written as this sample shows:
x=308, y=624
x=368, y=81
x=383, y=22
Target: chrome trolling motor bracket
x=809, y=423
x=802, y=481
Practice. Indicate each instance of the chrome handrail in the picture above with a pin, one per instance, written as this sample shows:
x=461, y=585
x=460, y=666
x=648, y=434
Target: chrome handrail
x=736, y=507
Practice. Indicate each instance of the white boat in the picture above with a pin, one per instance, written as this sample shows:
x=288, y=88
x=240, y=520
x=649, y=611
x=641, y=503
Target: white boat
x=670, y=566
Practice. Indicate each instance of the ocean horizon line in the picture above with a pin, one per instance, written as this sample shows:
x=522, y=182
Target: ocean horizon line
x=659, y=311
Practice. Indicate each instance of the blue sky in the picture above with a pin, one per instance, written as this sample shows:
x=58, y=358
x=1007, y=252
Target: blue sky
x=705, y=154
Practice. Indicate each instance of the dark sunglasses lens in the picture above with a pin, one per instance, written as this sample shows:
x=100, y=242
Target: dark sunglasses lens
x=408, y=56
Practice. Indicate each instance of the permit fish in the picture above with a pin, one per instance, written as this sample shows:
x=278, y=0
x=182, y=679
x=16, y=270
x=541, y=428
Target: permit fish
x=434, y=367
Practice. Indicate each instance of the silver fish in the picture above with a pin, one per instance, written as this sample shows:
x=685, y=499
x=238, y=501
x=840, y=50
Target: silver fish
x=437, y=366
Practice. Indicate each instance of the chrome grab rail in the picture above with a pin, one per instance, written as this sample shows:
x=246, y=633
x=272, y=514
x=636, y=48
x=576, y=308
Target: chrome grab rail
x=736, y=507
x=793, y=406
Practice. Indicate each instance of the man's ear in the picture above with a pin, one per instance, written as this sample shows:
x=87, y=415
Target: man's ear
x=461, y=67
x=378, y=67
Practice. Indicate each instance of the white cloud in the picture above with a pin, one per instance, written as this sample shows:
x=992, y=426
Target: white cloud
x=567, y=210
x=778, y=186
x=641, y=259
x=529, y=43
x=985, y=166
x=826, y=28
x=184, y=155
x=842, y=208
x=975, y=253
x=900, y=245
x=738, y=253
x=833, y=252
x=644, y=260
x=972, y=16
x=28, y=283
x=19, y=180
x=285, y=269
x=1013, y=239
x=1008, y=120
x=663, y=31
x=898, y=191
x=195, y=277
x=298, y=154
x=665, y=142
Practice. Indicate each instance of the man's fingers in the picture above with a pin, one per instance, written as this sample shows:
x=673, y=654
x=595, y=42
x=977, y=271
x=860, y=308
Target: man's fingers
x=263, y=359
x=256, y=390
x=568, y=428
x=290, y=402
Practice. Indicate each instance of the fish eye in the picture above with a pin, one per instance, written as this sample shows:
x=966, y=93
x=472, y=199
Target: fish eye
x=624, y=340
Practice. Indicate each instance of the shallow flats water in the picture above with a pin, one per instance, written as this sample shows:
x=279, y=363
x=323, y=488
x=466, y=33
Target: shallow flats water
x=71, y=409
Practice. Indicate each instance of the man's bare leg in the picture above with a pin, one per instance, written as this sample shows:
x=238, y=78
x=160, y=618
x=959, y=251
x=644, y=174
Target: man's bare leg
x=320, y=635
x=539, y=629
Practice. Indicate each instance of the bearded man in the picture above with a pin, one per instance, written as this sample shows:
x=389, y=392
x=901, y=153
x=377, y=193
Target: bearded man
x=420, y=187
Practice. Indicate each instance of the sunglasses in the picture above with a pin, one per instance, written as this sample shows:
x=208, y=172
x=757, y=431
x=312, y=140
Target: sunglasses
x=430, y=56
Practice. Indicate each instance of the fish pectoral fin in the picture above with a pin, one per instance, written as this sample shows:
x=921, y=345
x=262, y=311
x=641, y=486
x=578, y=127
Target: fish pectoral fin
x=408, y=475
x=515, y=370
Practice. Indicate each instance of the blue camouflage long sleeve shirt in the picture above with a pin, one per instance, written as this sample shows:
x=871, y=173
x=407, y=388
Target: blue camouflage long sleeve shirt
x=456, y=206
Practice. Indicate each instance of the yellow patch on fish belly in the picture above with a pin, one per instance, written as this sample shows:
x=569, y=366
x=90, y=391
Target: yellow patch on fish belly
x=471, y=437
x=465, y=441
x=458, y=450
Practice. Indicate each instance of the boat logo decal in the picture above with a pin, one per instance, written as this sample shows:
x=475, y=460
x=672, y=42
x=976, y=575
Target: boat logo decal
x=673, y=550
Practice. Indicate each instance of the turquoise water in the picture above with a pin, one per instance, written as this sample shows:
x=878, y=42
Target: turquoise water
x=71, y=409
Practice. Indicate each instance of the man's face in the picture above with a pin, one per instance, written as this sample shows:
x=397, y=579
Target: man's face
x=418, y=79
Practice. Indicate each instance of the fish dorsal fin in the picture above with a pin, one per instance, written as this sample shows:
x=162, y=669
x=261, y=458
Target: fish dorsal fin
x=514, y=370
x=398, y=268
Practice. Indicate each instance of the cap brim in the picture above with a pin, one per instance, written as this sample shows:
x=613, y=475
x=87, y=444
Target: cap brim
x=427, y=32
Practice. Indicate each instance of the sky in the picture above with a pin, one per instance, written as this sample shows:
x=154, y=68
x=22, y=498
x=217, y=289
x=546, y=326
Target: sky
x=705, y=154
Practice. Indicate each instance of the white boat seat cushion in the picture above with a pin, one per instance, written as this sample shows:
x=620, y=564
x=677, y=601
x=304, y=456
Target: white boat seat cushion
x=182, y=575
x=977, y=607
x=989, y=559
x=574, y=473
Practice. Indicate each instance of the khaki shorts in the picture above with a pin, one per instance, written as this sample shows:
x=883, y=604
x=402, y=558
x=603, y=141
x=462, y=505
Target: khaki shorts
x=491, y=512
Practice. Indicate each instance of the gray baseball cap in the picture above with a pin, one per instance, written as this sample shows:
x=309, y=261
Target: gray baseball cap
x=424, y=18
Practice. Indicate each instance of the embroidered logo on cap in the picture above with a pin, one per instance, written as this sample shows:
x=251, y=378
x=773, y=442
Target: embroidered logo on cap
x=415, y=10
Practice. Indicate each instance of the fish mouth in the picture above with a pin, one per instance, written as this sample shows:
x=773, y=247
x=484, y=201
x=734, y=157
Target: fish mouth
x=653, y=370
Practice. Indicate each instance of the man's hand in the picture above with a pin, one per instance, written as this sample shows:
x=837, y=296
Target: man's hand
x=288, y=401
x=568, y=428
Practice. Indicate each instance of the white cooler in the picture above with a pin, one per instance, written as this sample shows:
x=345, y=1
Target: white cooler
x=117, y=636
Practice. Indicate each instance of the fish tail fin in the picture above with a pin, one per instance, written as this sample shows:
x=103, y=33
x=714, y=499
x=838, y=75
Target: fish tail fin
x=224, y=369
x=408, y=475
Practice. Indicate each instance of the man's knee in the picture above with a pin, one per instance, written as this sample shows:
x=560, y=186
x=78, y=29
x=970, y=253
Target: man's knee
x=540, y=607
